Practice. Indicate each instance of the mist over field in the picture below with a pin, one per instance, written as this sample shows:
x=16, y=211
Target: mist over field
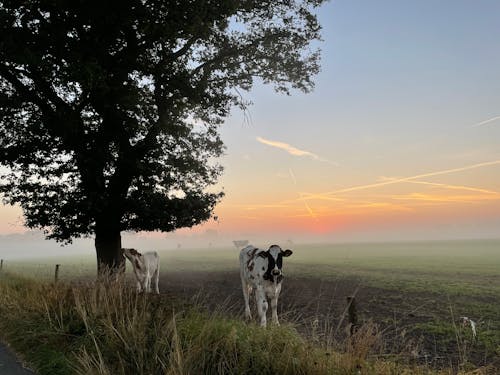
x=31, y=244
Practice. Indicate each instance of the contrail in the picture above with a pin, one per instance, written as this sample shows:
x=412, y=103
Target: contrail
x=440, y=198
x=448, y=186
x=311, y=212
x=405, y=179
x=485, y=122
x=293, y=176
x=293, y=150
x=308, y=208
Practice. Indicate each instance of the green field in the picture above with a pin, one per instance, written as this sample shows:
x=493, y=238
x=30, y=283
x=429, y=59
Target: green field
x=421, y=288
x=453, y=267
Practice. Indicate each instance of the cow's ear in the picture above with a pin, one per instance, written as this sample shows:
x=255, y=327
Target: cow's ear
x=287, y=253
x=262, y=254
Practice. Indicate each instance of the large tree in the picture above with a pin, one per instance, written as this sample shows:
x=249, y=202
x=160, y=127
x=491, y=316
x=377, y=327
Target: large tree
x=109, y=110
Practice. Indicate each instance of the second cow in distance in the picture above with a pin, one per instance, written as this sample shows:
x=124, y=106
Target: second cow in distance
x=146, y=268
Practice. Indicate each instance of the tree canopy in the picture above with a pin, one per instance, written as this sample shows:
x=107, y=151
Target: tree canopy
x=109, y=110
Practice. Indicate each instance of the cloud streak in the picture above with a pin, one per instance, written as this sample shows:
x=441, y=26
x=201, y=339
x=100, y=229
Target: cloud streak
x=485, y=122
x=293, y=150
x=416, y=177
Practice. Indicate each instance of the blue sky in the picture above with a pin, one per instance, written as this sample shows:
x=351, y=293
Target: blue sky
x=407, y=88
x=402, y=86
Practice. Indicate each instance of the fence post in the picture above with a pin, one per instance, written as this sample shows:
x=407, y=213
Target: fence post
x=1, y=264
x=352, y=314
x=56, y=275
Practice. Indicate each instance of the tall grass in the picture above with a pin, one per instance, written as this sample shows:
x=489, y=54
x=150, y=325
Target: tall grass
x=107, y=328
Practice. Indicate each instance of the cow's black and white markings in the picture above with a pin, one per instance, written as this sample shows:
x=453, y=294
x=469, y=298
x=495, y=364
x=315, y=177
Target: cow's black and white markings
x=262, y=270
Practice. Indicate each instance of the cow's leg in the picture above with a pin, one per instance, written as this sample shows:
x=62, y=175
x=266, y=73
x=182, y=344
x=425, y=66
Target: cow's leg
x=247, y=289
x=157, y=279
x=260, y=298
x=148, y=282
x=274, y=304
x=139, y=286
x=249, y=293
x=274, y=309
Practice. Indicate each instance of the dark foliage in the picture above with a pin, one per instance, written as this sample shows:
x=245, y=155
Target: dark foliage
x=109, y=109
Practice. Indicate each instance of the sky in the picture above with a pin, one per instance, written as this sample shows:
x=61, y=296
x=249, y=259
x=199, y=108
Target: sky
x=400, y=140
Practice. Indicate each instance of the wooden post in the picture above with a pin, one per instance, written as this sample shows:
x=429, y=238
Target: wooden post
x=1, y=264
x=56, y=275
x=352, y=314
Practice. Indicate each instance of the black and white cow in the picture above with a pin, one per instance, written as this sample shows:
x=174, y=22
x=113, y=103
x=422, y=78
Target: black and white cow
x=262, y=270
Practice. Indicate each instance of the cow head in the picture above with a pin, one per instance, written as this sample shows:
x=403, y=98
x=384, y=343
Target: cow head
x=274, y=262
x=134, y=256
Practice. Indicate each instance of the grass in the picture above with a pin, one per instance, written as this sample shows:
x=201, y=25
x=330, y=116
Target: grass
x=441, y=276
x=107, y=328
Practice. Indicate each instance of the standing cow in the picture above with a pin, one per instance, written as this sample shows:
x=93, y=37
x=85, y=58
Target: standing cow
x=261, y=270
x=146, y=267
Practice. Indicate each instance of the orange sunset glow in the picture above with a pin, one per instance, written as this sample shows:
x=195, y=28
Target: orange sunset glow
x=400, y=138
x=436, y=197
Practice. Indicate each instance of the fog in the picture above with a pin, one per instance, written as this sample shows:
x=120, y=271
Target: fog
x=32, y=244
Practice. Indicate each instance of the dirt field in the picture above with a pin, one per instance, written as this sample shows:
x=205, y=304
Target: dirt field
x=408, y=322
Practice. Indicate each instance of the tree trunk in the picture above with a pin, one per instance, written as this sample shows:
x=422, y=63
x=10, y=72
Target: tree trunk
x=108, y=245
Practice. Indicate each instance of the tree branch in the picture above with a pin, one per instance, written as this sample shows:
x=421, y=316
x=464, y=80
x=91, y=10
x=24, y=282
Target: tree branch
x=234, y=51
x=25, y=91
x=183, y=50
x=45, y=88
